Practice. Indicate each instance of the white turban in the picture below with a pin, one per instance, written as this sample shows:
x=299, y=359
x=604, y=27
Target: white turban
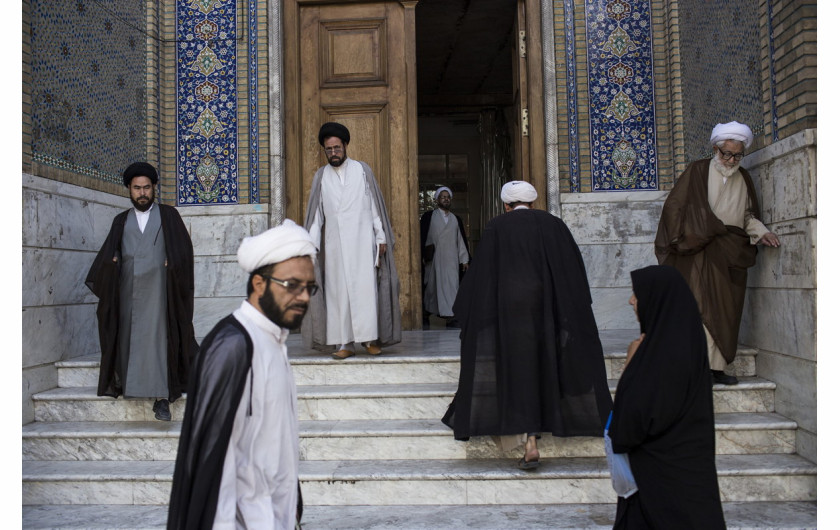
x=732, y=131
x=285, y=241
x=518, y=191
x=440, y=189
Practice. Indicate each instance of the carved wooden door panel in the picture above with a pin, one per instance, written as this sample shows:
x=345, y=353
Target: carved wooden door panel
x=354, y=63
x=529, y=144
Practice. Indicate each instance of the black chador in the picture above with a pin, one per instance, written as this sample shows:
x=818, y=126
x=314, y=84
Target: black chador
x=663, y=417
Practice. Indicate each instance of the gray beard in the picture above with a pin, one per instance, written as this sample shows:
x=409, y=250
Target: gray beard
x=723, y=170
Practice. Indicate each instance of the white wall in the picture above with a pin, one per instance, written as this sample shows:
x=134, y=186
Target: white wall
x=63, y=228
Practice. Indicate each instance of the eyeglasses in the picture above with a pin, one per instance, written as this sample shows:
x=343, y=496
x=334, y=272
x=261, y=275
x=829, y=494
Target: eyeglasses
x=336, y=149
x=295, y=287
x=726, y=155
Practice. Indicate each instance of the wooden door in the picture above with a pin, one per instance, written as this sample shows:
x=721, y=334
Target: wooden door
x=354, y=63
x=529, y=142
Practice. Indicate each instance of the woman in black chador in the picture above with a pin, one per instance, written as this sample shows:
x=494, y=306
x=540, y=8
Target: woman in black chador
x=663, y=416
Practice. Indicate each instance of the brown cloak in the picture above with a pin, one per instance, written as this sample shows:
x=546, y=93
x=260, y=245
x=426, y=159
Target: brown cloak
x=712, y=257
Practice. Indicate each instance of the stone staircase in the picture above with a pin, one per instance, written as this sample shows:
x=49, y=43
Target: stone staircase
x=374, y=453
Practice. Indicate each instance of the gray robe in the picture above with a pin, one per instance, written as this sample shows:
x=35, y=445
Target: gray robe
x=142, y=338
x=389, y=320
x=442, y=274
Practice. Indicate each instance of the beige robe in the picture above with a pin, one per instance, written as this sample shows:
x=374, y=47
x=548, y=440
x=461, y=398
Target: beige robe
x=730, y=201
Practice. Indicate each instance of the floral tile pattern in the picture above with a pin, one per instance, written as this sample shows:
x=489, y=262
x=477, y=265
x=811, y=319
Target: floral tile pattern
x=621, y=98
x=207, y=101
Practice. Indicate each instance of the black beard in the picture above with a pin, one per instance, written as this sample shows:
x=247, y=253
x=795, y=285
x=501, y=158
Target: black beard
x=143, y=207
x=337, y=163
x=269, y=306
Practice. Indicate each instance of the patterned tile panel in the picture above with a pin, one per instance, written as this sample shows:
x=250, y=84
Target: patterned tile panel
x=88, y=85
x=721, y=70
x=571, y=81
x=207, y=102
x=621, y=95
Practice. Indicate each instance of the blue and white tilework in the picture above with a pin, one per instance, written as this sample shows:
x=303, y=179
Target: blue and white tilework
x=207, y=102
x=621, y=102
x=88, y=85
x=571, y=91
x=253, y=112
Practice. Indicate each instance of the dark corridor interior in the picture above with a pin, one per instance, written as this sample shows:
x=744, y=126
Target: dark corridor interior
x=465, y=91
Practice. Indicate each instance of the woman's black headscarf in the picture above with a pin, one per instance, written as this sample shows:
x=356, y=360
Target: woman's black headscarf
x=663, y=414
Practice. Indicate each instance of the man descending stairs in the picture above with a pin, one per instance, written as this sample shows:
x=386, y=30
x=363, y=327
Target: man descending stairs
x=374, y=453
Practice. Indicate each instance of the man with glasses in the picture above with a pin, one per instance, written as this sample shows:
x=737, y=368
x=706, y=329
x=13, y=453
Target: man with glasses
x=360, y=301
x=709, y=230
x=237, y=463
x=143, y=277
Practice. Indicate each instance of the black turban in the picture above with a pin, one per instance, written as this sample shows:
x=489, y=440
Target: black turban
x=139, y=169
x=332, y=128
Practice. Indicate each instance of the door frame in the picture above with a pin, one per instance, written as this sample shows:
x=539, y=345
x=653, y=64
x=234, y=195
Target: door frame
x=542, y=91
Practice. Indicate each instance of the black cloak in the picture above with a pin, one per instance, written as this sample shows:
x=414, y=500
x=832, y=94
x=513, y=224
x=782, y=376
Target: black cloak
x=663, y=417
x=104, y=280
x=531, y=358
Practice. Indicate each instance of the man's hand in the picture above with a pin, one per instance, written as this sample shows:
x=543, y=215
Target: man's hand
x=770, y=239
x=382, y=247
x=631, y=350
x=465, y=266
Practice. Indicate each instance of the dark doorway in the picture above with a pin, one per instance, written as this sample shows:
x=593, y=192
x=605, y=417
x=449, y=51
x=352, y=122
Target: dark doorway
x=465, y=99
x=466, y=105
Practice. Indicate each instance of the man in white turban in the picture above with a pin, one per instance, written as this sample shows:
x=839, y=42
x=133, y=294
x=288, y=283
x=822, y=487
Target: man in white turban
x=531, y=359
x=709, y=230
x=237, y=463
x=446, y=256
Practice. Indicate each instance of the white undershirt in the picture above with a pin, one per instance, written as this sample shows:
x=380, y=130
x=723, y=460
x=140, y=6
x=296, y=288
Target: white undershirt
x=143, y=217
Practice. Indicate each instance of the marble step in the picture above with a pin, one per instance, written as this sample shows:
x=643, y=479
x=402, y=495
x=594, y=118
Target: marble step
x=429, y=482
x=736, y=433
x=738, y=515
x=431, y=357
x=348, y=402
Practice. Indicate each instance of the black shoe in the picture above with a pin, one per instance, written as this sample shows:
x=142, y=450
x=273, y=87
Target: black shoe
x=718, y=377
x=161, y=410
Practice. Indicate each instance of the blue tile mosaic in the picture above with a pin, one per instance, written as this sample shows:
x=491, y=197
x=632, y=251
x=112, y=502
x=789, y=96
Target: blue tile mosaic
x=88, y=85
x=571, y=92
x=253, y=114
x=621, y=102
x=207, y=102
x=720, y=62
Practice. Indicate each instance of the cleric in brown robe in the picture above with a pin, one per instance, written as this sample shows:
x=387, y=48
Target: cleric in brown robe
x=709, y=230
x=143, y=277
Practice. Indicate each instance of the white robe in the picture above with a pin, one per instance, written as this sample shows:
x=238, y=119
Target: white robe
x=352, y=234
x=442, y=273
x=260, y=475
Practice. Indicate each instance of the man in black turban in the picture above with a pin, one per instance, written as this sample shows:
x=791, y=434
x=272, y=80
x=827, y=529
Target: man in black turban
x=333, y=129
x=360, y=299
x=143, y=277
